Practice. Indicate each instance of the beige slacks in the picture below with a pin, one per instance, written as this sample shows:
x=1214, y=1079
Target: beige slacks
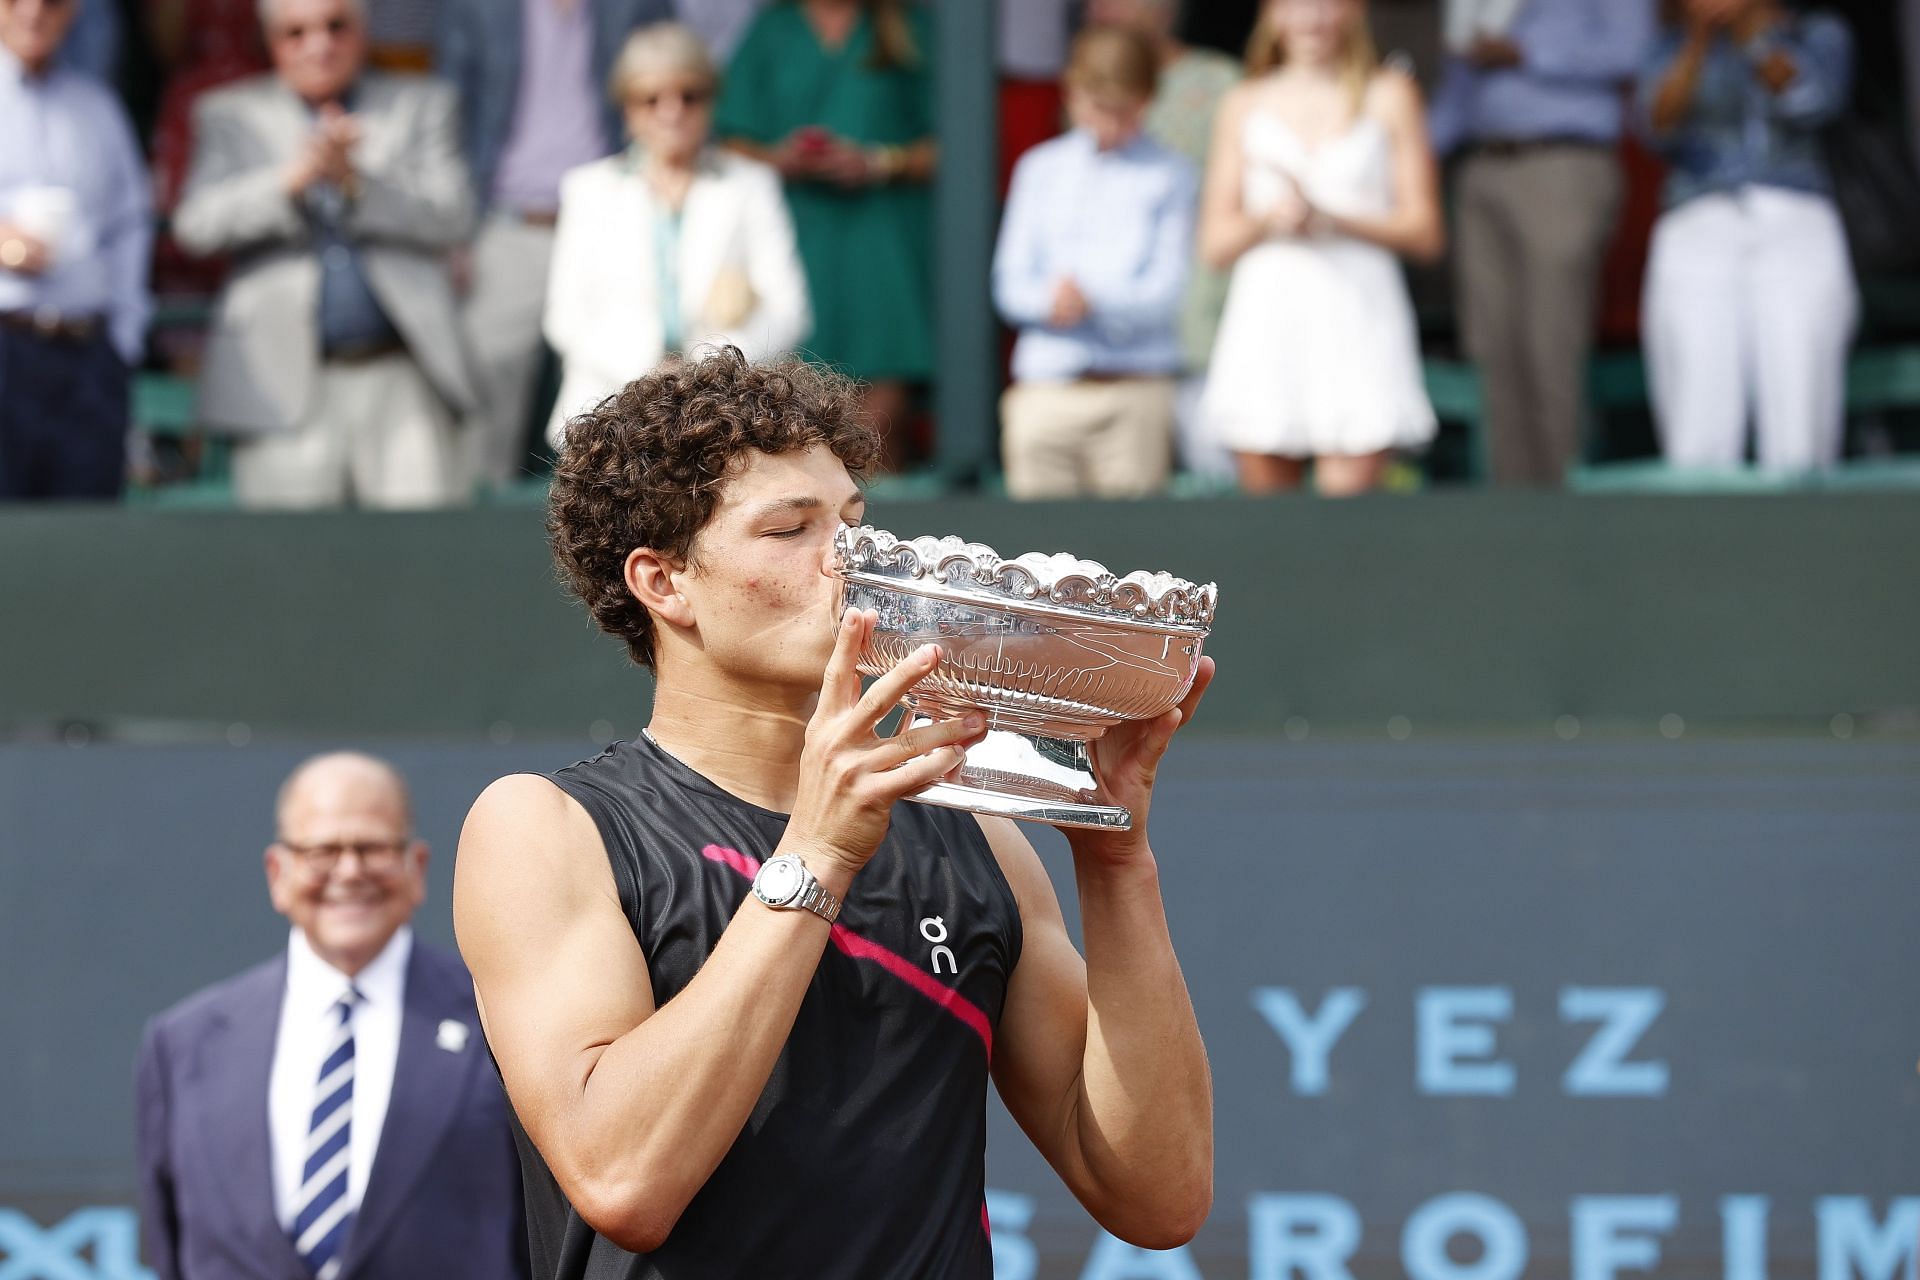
x=1533, y=231
x=378, y=434
x=1105, y=438
x=501, y=316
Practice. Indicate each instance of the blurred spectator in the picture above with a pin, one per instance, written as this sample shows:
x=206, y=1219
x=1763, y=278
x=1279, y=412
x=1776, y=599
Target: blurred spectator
x=336, y=347
x=1033, y=37
x=75, y=232
x=1093, y=256
x=1750, y=300
x=261, y=1102
x=672, y=244
x=719, y=23
x=532, y=77
x=1533, y=96
x=1192, y=83
x=200, y=45
x=1321, y=173
x=838, y=96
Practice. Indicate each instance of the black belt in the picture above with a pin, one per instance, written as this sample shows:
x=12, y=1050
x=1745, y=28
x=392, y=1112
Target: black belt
x=1509, y=147
x=55, y=326
x=362, y=352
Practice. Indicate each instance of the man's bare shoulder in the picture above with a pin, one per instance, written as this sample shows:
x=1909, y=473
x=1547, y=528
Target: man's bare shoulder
x=525, y=835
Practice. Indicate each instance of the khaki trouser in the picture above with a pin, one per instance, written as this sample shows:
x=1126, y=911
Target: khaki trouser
x=377, y=434
x=1533, y=230
x=502, y=317
x=1106, y=438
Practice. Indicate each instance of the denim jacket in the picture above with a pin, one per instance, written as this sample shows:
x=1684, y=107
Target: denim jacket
x=1738, y=133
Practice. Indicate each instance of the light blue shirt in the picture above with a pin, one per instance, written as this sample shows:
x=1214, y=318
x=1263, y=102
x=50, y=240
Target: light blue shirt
x=1576, y=55
x=66, y=130
x=1120, y=224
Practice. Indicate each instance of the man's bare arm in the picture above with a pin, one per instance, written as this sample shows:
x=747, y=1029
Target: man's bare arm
x=1101, y=1060
x=633, y=1106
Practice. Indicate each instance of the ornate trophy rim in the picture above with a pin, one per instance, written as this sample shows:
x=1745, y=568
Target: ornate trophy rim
x=1060, y=584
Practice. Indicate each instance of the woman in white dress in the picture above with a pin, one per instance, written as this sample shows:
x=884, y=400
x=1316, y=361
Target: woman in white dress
x=673, y=243
x=1320, y=174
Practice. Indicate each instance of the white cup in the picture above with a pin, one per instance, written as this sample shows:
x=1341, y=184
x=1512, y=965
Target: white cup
x=50, y=215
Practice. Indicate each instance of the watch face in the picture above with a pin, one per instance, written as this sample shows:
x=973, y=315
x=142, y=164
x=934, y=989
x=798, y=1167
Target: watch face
x=778, y=881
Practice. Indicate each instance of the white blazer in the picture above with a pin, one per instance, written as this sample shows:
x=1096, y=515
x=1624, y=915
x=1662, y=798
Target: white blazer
x=602, y=314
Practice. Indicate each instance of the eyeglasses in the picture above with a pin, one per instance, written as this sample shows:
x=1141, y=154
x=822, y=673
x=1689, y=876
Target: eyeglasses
x=333, y=27
x=377, y=856
x=689, y=98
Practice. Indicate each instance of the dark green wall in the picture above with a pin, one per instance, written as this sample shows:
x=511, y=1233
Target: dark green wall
x=1451, y=610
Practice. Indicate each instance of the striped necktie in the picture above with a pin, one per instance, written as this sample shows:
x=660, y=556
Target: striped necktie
x=321, y=1221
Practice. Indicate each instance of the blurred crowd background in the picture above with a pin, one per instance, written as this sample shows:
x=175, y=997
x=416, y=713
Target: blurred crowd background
x=311, y=253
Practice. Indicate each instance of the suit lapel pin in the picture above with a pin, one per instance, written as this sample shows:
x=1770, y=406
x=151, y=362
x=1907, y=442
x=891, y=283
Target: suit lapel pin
x=452, y=1035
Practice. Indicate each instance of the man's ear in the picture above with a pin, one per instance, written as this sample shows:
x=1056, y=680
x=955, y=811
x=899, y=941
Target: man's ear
x=650, y=577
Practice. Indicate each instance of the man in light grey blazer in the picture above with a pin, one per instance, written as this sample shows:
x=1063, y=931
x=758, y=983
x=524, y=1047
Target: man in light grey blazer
x=336, y=352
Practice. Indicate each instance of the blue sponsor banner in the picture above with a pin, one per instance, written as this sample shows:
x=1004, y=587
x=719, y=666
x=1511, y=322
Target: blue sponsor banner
x=1476, y=1010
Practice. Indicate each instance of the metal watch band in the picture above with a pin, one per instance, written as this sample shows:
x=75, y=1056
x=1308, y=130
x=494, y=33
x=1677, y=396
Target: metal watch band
x=815, y=898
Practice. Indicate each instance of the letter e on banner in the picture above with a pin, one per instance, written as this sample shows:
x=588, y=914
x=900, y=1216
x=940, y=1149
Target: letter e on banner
x=1454, y=1023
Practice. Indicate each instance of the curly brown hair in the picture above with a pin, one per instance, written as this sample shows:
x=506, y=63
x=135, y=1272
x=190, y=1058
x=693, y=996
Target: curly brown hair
x=644, y=467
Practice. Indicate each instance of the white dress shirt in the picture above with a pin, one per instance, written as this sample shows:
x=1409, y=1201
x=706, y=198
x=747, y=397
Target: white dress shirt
x=307, y=1022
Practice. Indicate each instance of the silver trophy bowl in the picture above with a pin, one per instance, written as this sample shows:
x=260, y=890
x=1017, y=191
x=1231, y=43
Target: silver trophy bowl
x=1053, y=650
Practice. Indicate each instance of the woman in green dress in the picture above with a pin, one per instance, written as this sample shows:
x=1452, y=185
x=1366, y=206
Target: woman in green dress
x=838, y=96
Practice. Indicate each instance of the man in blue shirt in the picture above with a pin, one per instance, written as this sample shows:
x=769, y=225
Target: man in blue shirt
x=1091, y=266
x=75, y=232
x=1534, y=98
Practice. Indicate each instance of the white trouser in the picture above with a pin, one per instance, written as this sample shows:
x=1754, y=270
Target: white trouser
x=1199, y=452
x=377, y=434
x=1750, y=308
x=502, y=319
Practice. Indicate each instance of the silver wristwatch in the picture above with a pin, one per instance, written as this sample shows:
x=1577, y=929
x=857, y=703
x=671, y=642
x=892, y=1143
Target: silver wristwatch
x=784, y=883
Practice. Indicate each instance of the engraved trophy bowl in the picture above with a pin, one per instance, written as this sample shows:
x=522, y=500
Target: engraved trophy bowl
x=1053, y=650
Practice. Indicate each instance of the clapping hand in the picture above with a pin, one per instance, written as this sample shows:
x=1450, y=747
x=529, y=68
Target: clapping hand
x=845, y=164
x=327, y=155
x=1292, y=215
x=1069, y=305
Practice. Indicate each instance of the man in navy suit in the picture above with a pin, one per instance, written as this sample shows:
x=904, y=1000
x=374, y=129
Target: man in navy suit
x=331, y=1114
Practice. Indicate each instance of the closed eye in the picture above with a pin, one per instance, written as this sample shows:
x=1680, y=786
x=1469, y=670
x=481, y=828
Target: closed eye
x=786, y=533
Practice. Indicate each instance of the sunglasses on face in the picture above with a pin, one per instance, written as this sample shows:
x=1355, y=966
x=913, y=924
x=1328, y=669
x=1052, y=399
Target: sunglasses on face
x=689, y=98
x=333, y=27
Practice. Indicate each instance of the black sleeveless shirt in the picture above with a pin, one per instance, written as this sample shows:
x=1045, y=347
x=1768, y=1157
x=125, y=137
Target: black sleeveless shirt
x=865, y=1156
